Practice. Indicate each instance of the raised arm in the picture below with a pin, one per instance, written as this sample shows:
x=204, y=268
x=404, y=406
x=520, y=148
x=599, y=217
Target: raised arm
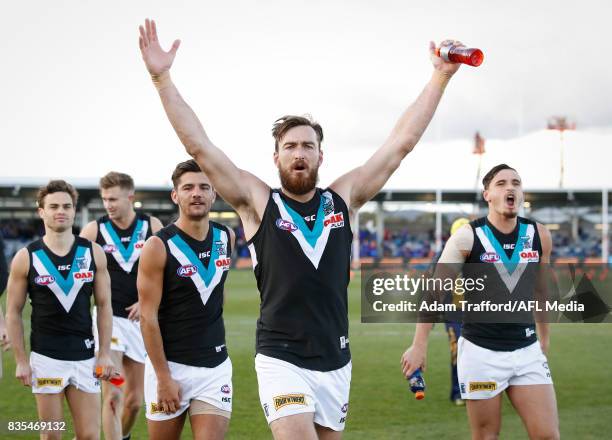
x=363, y=183
x=17, y=293
x=242, y=190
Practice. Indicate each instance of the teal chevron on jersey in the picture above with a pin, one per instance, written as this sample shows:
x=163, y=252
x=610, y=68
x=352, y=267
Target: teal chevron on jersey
x=207, y=273
x=126, y=251
x=65, y=284
x=512, y=262
x=313, y=235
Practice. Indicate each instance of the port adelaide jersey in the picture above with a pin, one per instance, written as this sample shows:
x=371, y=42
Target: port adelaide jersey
x=191, y=308
x=60, y=290
x=508, y=262
x=122, y=248
x=301, y=258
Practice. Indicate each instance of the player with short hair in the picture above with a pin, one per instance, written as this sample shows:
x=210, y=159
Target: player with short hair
x=122, y=233
x=181, y=278
x=60, y=272
x=507, y=250
x=300, y=241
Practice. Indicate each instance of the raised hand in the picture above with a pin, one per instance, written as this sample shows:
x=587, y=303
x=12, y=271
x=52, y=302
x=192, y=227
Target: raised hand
x=156, y=59
x=439, y=64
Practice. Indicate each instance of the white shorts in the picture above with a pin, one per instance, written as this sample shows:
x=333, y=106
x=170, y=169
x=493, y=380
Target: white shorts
x=210, y=385
x=485, y=373
x=51, y=376
x=286, y=390
x=126, y=338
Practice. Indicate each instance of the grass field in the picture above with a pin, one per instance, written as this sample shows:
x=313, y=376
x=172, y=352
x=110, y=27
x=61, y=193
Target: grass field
x=381, y=406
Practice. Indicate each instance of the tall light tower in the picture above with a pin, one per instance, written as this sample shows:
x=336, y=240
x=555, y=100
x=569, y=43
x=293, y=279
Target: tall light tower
x=561, y=123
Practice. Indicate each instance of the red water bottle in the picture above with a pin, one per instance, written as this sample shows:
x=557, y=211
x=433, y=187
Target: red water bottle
x=116, y=380
x=461, y=54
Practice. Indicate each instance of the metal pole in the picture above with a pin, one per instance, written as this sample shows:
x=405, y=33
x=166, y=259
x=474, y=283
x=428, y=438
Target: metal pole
x=84, y=215
x=562, y=169
x=604, y=226
x=438, y=220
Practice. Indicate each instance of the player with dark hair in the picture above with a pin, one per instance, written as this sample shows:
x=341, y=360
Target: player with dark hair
x=506, y=250
x=300, y=240
x=181, y=278
x=61, y=272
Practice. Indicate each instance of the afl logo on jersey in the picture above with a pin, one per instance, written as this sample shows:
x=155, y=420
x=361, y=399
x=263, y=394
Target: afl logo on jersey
x=44, y=280
x=85, y=276
x=186, y=271
x=489, y=257
x=285, y=225
x=109, y=248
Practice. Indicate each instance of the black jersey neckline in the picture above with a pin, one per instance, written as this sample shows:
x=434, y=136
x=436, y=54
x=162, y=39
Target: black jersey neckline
x=56, y=256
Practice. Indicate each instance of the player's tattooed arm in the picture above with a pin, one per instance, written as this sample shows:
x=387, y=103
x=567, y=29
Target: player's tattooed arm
x=90, y=231
x=361, y=184
x=246, y=193
x=17, y=294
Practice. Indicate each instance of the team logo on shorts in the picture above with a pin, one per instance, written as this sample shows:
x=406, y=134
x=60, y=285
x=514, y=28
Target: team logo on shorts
x=344, y=408
x=44, y=280
x=225, y=389
x=109, y=248
x=186, y=271
x=482, y=386
x=285, y=225
x=289, y=399
x=462, y=387
x=49, y=381
x=489, y=257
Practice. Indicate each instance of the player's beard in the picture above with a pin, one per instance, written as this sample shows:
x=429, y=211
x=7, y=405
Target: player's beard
x=296, y=184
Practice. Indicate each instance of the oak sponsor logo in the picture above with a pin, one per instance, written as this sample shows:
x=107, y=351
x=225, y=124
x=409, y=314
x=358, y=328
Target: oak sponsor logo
x=482, y=386
x=288, y=399
x=85, y=276
x=223, y=263
x=335, y=221
x=530, y=256
x=49, y=382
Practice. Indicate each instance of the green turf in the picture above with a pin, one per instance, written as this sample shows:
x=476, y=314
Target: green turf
x=381, y=407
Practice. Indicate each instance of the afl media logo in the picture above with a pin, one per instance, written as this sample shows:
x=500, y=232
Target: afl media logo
x=285, y=225
x=187, y=270
x=44, y=280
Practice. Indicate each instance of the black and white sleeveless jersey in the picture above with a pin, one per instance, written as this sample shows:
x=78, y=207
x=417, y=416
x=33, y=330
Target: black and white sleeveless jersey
x=508, y=261
x=301, y=258
x=122, y=248
x=60, y=290
x=191, y=309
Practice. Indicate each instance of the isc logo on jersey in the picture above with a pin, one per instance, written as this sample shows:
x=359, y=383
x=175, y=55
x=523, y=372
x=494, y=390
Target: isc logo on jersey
x=489, y=257
x=186, y=271
x=285, y=225
x=335, y=221
x=44, y=280
x=86, y=276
